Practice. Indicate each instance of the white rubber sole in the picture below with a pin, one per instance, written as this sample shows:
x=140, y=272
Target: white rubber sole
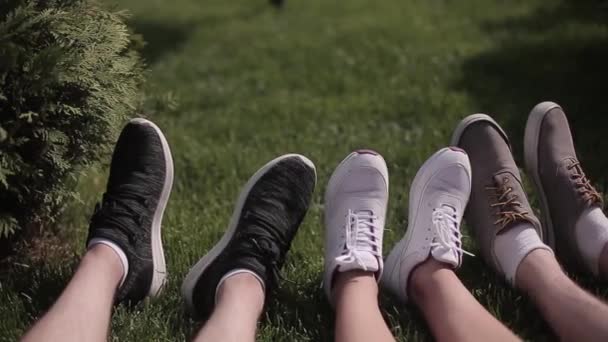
x=424, y=175
x=471, y=119
x=159, y=276
x=531, y=136
x=197, y=270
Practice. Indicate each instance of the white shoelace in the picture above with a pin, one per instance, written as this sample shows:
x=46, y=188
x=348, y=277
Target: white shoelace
x=360, y=237
x=447, y=226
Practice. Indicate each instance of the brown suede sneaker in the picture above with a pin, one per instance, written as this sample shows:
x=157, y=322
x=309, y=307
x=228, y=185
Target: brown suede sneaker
x=565, y=192
x=498, y=201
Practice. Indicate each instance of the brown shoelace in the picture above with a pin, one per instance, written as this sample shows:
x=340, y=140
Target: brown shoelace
x=583, y=185
x=507, y=204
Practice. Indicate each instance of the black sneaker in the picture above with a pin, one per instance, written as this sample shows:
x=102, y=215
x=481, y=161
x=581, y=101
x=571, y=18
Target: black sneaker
x=267, y=215
x=131, y=211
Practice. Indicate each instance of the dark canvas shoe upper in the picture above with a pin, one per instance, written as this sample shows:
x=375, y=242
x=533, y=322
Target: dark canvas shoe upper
x=137, y=191
x=498, y=201
x=566, y=191
x=272, y=211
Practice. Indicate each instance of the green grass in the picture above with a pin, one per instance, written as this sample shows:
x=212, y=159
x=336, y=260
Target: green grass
x=236, y=83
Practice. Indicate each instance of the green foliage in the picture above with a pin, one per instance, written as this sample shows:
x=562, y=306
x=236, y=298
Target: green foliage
x=69, y=75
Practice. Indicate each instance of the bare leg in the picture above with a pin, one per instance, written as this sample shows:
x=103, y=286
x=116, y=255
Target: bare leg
x=358, y=316
x=574, y=314
x=235, y=317
x=82, y=312
x=451, y=311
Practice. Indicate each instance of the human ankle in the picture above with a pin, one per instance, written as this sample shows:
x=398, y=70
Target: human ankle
x=342, y=279
x=363, y=282
x=425, y=276
x=537, y=270
x=104, y=256
x=242, y=286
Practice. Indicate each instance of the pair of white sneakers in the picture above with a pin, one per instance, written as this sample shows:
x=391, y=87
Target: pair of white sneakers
x=355, y=209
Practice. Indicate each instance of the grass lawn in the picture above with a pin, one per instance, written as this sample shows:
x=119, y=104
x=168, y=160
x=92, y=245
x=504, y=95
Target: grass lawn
x=236, y=83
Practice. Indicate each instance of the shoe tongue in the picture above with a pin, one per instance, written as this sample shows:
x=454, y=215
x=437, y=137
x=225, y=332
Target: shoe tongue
x=364, y=212
x=361, y=256
x=505, y=177
x=568, y=163
x=505, y=180
x=364, y=215
x=444, y=254
x=449, y=209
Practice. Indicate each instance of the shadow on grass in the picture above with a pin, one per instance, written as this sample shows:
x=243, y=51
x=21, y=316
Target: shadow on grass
x=164, y=37
x=301, y=308
x=38, y=284
x=160, y=37
x=558, y=53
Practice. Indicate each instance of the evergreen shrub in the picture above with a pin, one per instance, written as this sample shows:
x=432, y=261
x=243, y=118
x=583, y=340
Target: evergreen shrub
x=69, y=76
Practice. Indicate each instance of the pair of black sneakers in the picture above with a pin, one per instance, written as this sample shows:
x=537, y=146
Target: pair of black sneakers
x=268, y=212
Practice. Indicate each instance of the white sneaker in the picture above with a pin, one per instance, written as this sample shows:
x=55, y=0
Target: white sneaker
x=355, y=208
x=438, y=198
